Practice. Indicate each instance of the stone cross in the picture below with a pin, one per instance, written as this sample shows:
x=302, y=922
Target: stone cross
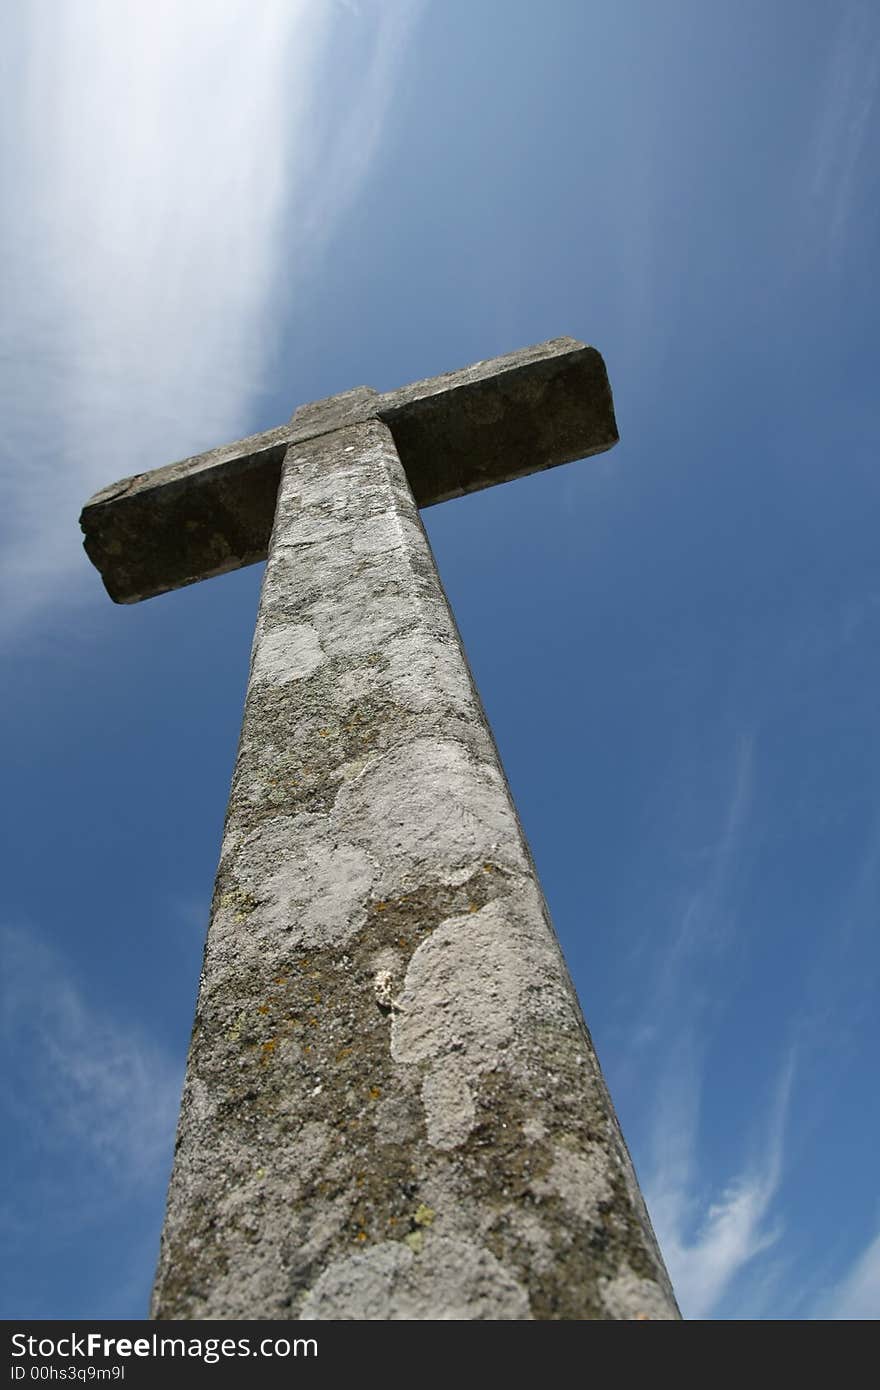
x=392, y=1107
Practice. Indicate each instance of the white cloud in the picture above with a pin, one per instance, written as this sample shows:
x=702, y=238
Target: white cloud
x=708, y=1239
x=167, y=163
x=731, y=1233
x=857, y=1295
x=79, y=1081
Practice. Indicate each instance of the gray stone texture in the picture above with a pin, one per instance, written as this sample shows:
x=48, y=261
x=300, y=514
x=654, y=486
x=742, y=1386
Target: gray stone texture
x=392, y=1108
x=455, y=433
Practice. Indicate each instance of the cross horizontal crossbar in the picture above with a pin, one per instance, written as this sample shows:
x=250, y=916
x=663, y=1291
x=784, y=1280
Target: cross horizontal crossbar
x=456, y=433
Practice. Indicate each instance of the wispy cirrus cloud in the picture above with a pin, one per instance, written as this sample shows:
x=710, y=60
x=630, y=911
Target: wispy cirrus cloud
x=167, y=164
x=710, y=1227
x=856, y=1295
x=91, y=1101
x=81, y=1084
x=677, y=963
x=845, y=135
x=709, y=1236
x=704, y=925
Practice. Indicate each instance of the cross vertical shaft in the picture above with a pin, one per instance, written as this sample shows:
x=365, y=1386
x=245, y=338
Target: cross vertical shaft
x=392, y=1108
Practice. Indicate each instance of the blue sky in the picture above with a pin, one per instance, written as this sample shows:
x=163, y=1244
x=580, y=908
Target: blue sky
x=224, y=209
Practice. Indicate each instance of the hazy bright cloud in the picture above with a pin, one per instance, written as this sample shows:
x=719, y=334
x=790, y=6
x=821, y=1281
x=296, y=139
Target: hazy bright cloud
x=172, y=168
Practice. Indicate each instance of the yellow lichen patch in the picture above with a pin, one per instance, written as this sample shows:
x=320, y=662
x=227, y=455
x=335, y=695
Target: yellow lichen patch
x=361, y=1236
x=343, y=1053
x=414, y=1241
x=375, y=1092
x=263, y=1009
x=424, y=1215
x=381, y=907
x=268, y=1048
x=472, y=907
x=488, y=868
x=241, y=903
x=235, y=1031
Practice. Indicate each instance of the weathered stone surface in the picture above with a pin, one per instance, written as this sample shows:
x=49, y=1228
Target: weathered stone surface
x=501, y=419
x=456, y=433
x=392, y=1107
